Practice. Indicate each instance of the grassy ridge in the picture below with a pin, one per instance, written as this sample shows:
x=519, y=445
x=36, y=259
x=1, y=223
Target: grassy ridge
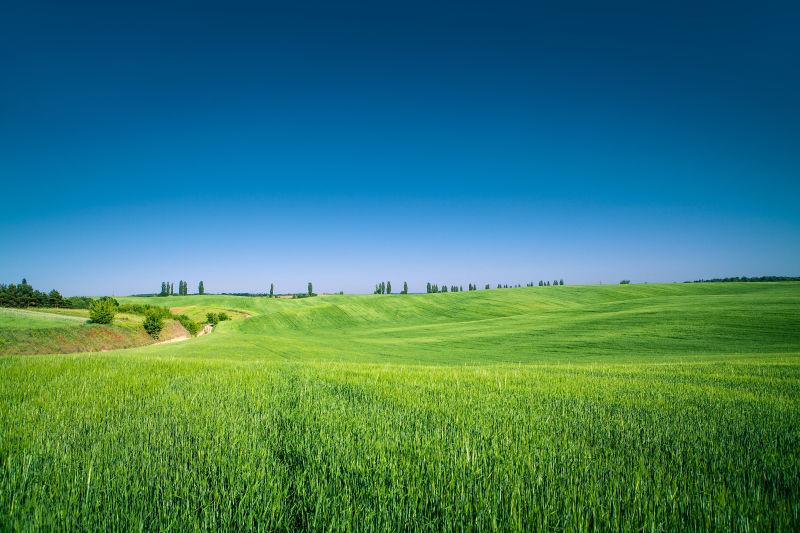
x=642, y=407
x=513, y=325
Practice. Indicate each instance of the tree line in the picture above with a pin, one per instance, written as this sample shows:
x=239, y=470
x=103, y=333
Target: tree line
x=747, y=279
x=24, y=295
x=168, y=288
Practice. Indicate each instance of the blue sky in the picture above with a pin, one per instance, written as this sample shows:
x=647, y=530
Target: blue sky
x=244, y=143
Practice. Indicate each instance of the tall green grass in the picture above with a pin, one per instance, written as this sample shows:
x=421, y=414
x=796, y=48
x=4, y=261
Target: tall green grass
x=635, y=408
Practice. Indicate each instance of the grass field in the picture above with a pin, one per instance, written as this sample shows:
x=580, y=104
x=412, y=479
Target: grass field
x=642, y=407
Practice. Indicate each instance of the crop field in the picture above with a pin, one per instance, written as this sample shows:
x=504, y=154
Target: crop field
x=640, y=407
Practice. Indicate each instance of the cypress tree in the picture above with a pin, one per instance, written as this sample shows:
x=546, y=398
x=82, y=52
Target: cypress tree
x=388, y=287
x=405, y=287
x=310, y=289
x=428, y=288
x=271, y=290
x=201, y=288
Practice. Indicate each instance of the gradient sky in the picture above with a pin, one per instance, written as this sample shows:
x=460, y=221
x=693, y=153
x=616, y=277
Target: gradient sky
x=345, y=143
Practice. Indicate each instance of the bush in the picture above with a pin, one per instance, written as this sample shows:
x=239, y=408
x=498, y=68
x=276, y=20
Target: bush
x=212, y=318
x=625, y=282
x=153, y=324
x=223, y=317
x=191, y=326
x=102, y=311
x=145, y=309
x=79, y=302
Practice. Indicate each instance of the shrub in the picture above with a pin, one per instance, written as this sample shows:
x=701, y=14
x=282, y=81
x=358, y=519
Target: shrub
x=102, y=311
x=212, y=319
x=223, y=317
x=190, y=325
x=625, y=282
x=79, y=302
x=153, y=324
x=145, y=309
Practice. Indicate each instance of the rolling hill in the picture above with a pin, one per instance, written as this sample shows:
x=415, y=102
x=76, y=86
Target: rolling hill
x=658, y=407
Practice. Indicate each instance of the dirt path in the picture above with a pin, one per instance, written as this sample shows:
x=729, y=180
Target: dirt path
x=174, y=339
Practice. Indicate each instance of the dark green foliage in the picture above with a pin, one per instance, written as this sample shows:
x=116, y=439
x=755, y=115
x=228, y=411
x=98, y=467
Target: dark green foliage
x=212, y=318
x=405, y=288
x=561, y=282
x=190, y=325
x=223, y=316
x=153, y=324
x=310, y=289
x=145, y=309
x=746, y=279
x=79, y=302
x=102, y=310
x=23, y=295
x=201, y=289
x=625, y=282
x=271, y=290
x=388, y=287
x=487, y=287
x=428, y=288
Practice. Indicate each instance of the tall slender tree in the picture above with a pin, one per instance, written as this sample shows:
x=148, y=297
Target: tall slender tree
x=310, y=289
x=405, y=287
x=388, y=287
x=201, y=289
x=428, y=288
x=271, y=290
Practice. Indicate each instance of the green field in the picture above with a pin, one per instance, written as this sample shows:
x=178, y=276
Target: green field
x=641, y=407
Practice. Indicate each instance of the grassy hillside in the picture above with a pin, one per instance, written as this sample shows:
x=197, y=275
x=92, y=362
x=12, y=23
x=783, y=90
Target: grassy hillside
x=47, y=331
x=659, y=407
x=535, y=324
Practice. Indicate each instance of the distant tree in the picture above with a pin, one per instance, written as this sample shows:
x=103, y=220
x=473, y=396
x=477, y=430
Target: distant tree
x=444, y=288
x=405, y=287
x=625, y=282
x=310, y=289
x=54, y=299
x=153, y=324
x=271, y=290
x=561, y=282
x=388, y=287
x=428, y=288
x=555, y=282
x=201, y=289
x=102, y=311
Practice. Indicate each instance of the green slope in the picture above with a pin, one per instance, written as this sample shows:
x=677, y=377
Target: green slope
x=658, y=407
x=512, y=325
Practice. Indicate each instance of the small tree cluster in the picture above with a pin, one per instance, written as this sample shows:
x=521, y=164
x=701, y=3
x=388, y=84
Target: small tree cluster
x=23, y=295
x=625, y=282
x=167, y=288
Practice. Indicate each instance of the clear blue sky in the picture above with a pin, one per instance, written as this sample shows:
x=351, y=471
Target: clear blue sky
x=244, y=143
